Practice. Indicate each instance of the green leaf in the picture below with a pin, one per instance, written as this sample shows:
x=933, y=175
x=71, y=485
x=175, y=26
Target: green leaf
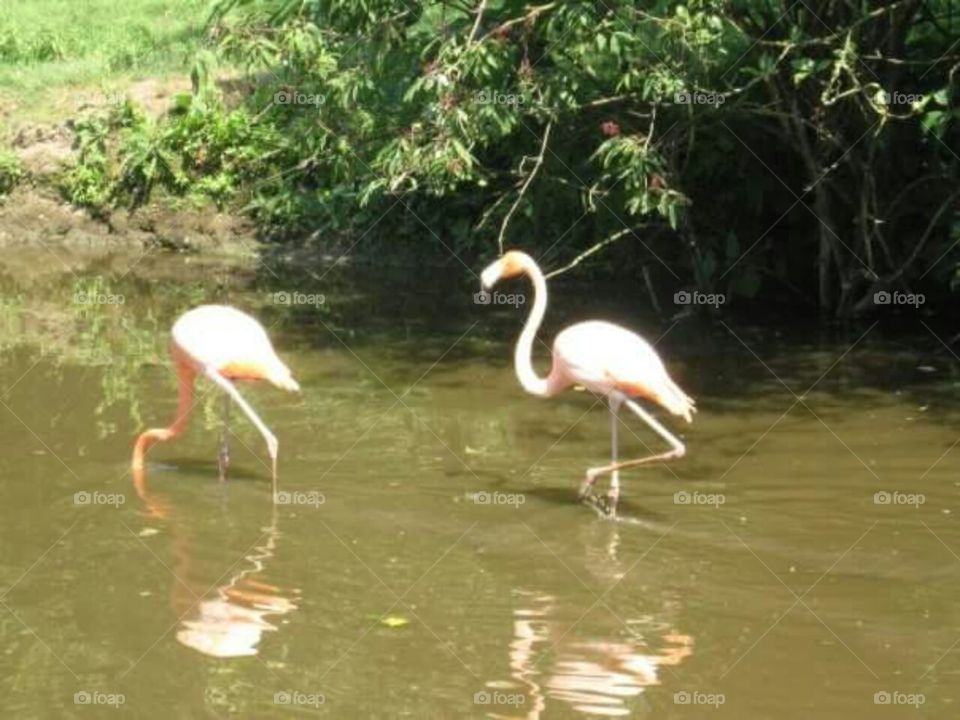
x=394, y=621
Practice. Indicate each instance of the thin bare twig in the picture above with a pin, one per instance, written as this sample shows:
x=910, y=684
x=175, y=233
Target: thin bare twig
x=530, y=17
x=592, y=250
x=476, y=23
x=526, y=185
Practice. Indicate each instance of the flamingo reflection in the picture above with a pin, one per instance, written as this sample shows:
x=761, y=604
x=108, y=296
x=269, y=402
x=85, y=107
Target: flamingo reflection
x=227, y=620
x=554, y=661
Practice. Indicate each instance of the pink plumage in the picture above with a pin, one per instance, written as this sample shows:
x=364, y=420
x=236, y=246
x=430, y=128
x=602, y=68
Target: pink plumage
x=607, y=359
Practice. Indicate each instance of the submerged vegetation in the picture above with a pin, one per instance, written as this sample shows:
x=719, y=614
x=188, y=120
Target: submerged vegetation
x=733, y=148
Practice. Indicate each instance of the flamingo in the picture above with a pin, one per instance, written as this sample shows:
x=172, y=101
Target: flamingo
x=223, y=344
x=607, y=359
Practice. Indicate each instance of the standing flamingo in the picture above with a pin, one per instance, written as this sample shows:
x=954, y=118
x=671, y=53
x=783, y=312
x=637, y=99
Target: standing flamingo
x=606, y=359
x=223, y=344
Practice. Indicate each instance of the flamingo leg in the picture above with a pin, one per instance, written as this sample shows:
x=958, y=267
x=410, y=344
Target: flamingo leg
x=587, y=486
x=613, y=494
x=224, y=457
x=231, y=390
x=677, y=450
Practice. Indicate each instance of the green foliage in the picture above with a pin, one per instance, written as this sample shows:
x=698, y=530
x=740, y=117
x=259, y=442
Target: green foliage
x=91, y=183
x=683, y=138
x=44, y=46
x=53, y=48
x=201, y=151
x=11, y=172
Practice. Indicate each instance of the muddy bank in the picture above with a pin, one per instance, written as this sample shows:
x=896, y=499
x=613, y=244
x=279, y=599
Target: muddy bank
x=36, y=216
x=35, y=213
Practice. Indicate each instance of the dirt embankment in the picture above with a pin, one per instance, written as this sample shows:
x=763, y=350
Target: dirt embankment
x=36, y=214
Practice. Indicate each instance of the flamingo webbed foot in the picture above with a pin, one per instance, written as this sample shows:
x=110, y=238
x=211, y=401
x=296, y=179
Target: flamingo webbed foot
x=586, y=487
x=600, y=504
x=606, y=506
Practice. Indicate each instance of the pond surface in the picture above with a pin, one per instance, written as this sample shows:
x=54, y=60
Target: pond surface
x=430, y=559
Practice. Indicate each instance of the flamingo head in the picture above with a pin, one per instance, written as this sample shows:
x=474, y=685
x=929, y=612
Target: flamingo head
x=512, y=264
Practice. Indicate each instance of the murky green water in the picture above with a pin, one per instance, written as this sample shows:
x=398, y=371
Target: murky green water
x=781, y=589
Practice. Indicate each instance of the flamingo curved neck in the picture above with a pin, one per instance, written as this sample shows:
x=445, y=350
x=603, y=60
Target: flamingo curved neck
x=144, y=442
x=184, y=405
x=523, y=354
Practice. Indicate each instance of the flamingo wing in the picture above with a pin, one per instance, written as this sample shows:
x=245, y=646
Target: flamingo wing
x=224, y=339
x=605, y=357
x=219, y=336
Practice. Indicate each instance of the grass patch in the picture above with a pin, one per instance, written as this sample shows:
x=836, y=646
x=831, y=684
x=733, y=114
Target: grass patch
x=48, y=46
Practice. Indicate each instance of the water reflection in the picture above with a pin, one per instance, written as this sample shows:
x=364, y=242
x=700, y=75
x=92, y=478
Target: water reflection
x=800, y=493
x=232, y=622
x=554, y=658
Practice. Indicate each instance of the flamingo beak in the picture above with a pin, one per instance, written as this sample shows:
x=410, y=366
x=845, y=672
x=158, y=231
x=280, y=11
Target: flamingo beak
x=491, y=274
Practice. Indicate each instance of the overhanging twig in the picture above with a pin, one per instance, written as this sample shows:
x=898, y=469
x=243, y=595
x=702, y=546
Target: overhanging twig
x=590, y=251
x=476, y=23
x=526, y=185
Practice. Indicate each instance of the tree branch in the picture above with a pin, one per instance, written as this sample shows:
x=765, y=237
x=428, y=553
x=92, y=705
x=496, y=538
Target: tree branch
x=526, y=185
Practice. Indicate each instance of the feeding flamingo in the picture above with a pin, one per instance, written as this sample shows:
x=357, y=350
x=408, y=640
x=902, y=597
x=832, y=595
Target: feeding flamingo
x=606, y=359
x=223, y=344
